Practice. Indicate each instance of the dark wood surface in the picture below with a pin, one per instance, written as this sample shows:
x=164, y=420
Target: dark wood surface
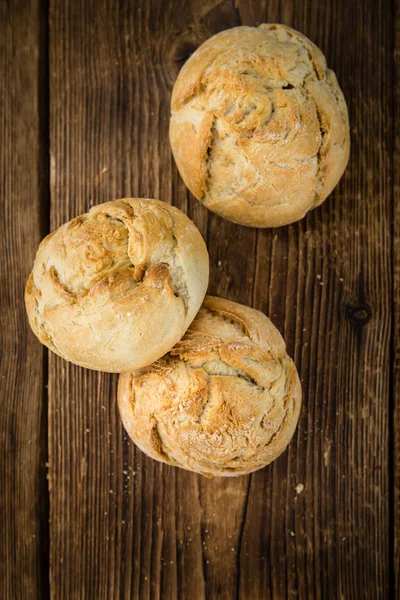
x=85, y=112
x=23, y=371
x=395, y=392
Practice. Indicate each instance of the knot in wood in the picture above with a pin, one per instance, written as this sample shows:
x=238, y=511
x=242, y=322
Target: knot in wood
x=358, y=313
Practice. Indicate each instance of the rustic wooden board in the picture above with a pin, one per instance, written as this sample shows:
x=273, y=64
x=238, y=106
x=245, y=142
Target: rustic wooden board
x=125, y=526
x=395, y=392
x=23, y=221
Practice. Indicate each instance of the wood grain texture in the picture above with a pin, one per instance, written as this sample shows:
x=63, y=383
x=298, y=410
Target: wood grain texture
x=123, y=526
x=24, y=199
x=395, y=429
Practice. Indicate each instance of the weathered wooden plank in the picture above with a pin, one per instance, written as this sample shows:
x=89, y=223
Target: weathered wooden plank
x=326, y=276
x=23, y=221
x=121, y=524
x=395, y=429
x=124, y=526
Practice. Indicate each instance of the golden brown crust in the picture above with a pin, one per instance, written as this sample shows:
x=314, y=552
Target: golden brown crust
x=259, y=126
x=116, y=288
x=223, y=402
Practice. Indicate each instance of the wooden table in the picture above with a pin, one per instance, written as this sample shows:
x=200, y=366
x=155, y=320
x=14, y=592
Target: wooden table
x=84, y=109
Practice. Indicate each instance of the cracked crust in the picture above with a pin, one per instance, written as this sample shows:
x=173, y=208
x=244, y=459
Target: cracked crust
x=259, y=126
x=116, y=288
x=223, y=402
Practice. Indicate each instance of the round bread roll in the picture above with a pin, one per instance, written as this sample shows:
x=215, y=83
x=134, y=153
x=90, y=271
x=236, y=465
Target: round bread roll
x=116, y=288
x=223, y=402
x=259, y=126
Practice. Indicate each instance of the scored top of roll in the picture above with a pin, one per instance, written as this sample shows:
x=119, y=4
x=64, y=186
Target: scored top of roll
x=259, y=126
x=223, y=402
x=116, y=288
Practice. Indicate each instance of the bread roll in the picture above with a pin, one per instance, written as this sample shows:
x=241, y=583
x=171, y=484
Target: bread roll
x=223, y=402
x=116, y=288
x=259, y=126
